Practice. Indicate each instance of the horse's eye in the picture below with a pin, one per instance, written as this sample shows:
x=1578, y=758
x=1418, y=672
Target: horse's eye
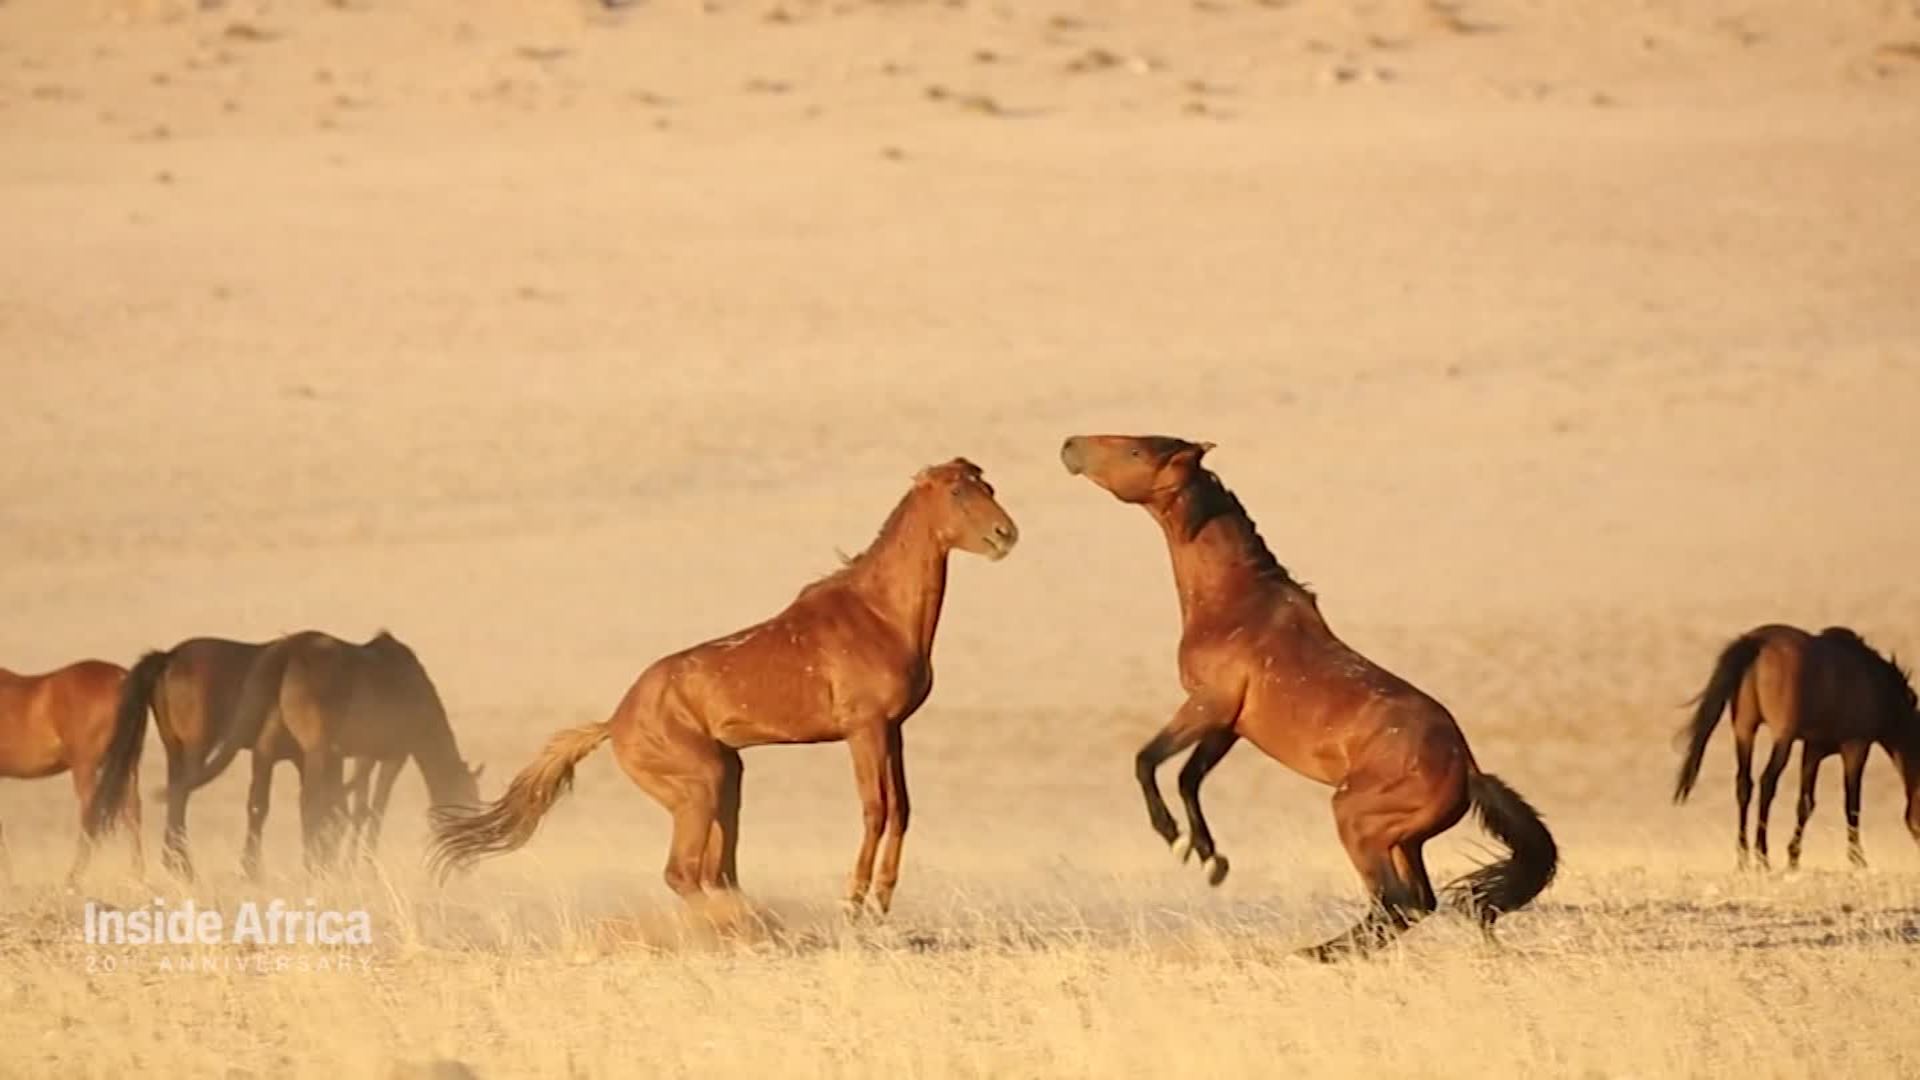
x=958, y=489
x=1136, y=451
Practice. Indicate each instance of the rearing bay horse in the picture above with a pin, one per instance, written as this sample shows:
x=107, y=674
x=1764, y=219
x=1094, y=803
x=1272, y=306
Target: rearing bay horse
x=849, y=659
x=1259, y=662
x=1829, y=691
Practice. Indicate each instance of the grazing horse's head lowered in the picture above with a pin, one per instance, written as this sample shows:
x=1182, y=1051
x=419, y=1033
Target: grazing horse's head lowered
x=965, y=514
x=1134, y=468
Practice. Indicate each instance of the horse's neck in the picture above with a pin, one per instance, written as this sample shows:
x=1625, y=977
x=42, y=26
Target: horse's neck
x=903, y=576
x=439, y=759
x=1224, y=565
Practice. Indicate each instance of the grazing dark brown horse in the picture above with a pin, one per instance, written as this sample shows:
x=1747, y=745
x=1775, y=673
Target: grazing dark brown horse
x=323, y=700
x=849, y=659
x=1259, y=662
x=193, y=691
x=63, y=721
x=1834, y=694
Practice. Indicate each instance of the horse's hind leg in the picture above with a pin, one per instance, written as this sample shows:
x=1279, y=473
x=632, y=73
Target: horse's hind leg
x=1387, y=852
x=1769, y=783
x=1853, y=763
x=1810, y=759
x=1743, y=783
x=1211, y=749
x=682, y=774
x=173, y=850
x=83, y=788
x=719, y=869
x=259, y=800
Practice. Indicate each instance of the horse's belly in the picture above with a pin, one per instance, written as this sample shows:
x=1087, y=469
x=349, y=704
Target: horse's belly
x=32, y=758
x=1296, y=754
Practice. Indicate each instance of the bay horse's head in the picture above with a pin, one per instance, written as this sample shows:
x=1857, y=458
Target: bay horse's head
x=964, y=511
x=1903, y=738
x=1134, y=468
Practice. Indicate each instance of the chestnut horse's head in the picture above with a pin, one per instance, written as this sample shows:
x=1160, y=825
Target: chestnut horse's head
x=965, y=513
x=1134, y=468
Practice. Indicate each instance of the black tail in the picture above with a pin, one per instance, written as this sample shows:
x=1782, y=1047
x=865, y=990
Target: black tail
x=259, y=695
x=129, y=738
x=1732, y=666
x=1507, y=885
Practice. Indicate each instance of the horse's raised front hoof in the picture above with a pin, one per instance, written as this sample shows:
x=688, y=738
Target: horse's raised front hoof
x=1181, y=846
x=1216, y=867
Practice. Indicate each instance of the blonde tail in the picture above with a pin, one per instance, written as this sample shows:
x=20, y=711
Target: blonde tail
x=462, y=837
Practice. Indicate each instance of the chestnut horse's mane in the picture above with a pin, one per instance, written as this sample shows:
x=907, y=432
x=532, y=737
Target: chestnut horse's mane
x=848, y=562
x=1895, y=679
x=1207, y=499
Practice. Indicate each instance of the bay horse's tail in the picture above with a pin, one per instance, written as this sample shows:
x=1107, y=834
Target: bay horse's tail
x=463, y=837
x=1507, y=885
x=1732, y=666
x=113, y=785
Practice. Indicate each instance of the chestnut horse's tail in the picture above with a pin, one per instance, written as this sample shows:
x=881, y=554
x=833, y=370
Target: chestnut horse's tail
x=113, y=785
x=1732, y=666
x=1507, y=885
x=463, y=837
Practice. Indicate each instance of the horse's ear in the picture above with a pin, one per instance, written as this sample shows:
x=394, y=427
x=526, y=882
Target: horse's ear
x=1191, y=453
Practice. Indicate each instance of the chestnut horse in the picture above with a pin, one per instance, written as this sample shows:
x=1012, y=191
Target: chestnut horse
x=322, y=700
x=1259, y=662
x=192, y=690
x=1830, y=691
x=849, y=659
x=63, y=720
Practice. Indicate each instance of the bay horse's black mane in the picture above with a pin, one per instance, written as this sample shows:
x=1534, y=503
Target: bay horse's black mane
x=1896, y=680
x=1207, y=499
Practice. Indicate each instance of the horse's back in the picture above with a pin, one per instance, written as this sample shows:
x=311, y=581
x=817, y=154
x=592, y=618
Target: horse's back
x=1820, y=688
x=200, y=686
x=371, y=699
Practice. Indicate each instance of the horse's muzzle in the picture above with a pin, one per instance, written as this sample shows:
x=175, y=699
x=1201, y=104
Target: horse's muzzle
x=1001, y=541
x=1070, y=455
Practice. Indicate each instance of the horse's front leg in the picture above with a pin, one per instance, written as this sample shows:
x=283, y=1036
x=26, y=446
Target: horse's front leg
x=870, y=772
x=385, y=775
x=1211, y=749
x=322, y=808
x=899, y=809
x=1194, y=720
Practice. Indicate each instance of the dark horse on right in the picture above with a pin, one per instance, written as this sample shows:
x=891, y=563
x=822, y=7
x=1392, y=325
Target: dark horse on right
x=1832, y=693
x=1259, y=662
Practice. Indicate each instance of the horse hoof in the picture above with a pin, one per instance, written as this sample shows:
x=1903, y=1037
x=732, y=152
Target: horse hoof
x=1182, y=847
x=1216, y=868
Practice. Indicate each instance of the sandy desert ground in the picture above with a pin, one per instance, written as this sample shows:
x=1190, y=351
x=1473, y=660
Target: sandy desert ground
x=1553, y=343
